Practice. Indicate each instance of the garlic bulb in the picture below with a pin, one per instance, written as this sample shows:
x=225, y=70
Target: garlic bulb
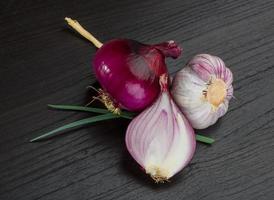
x=160, y=139
x=203, y=89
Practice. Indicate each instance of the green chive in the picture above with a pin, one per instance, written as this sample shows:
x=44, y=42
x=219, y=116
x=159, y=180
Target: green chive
x=124, y=114
x=204, y=139
x=106, y=115
x=79, y=108
x=75, y=124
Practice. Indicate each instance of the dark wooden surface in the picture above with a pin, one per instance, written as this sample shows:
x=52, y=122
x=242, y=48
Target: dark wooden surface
x=42, y=61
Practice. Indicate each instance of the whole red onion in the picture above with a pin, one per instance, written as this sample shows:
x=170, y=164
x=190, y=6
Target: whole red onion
x=129, y=71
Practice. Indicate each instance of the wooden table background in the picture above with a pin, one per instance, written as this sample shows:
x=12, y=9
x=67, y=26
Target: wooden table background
x=43, y=61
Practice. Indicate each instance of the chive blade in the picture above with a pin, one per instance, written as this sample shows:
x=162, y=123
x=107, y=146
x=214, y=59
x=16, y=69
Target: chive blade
x=124, y=114
x=79, y=108
x=204, y=139
x=75, y=124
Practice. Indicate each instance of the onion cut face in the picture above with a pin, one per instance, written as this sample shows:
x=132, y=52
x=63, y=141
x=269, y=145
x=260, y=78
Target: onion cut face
x=160, y=138
x=129, y=71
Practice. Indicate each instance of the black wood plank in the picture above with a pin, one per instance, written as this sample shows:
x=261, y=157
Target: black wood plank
x=43, y=61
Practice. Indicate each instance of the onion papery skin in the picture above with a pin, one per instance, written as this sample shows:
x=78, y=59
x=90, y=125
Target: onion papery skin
x=161, y=139
x=129, y=71
x=192, y=81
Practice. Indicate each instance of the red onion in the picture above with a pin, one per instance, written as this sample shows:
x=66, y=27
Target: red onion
x=161, y=139
x=128, y=70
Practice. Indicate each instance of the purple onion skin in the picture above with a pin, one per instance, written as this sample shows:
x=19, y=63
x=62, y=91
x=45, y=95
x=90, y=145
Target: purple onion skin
x=129, y=71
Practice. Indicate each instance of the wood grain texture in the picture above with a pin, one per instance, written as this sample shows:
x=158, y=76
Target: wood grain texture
x=43, y=61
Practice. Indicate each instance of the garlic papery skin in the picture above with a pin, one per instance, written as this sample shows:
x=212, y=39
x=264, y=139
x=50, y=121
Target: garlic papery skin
x=160, y=138
x=202, y=90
